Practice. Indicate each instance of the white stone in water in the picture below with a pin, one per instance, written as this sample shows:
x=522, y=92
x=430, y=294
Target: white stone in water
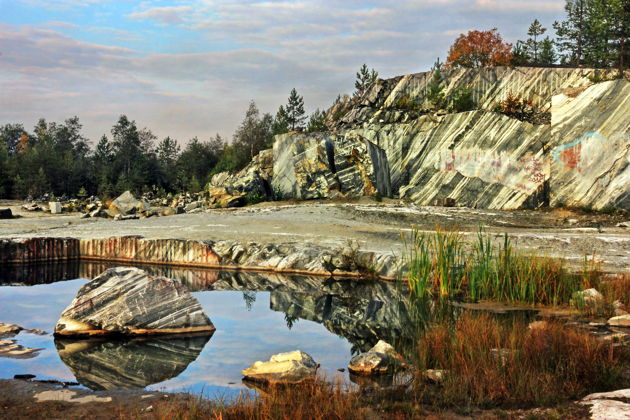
x=289, y=367
x=125, y=300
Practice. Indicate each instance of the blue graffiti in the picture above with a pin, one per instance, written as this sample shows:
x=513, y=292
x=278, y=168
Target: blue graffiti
x=563, y=147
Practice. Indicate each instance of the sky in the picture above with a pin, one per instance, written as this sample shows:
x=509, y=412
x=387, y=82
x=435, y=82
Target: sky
x=186, y=68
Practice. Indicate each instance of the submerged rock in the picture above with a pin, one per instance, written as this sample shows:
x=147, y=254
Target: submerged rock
x=290, y=367
x=128, y=301
x=380, y=359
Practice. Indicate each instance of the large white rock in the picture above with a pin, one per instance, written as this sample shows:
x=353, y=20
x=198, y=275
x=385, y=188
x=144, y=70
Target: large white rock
x=129, y=301
x=609, y=405
x=290, y=367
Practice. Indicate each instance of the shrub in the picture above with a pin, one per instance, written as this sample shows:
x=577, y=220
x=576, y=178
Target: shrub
x=462, y=99
x=522, y=109
x=408, y=104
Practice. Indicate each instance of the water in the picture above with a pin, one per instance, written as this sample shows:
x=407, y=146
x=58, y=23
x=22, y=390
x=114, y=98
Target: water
x=256, y=316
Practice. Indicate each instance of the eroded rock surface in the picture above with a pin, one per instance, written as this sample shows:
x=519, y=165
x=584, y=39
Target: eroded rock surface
x=609, y=405
x=290, y=367
x=128, y=301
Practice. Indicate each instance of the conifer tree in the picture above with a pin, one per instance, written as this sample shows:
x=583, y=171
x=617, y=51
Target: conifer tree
x=533, y=44
x=295, y=111
x=365, y=79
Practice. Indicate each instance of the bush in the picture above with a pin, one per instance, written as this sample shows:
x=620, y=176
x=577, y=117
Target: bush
x=523, y=110
x=462, y=99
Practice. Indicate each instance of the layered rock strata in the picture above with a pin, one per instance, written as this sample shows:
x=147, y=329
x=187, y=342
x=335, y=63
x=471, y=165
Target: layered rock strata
x=128, y=301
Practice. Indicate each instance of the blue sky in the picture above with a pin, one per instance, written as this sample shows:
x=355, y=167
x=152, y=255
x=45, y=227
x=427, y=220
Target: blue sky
x=188, y=68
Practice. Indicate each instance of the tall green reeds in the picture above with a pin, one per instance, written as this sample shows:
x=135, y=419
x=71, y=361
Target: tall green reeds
x=441, y=264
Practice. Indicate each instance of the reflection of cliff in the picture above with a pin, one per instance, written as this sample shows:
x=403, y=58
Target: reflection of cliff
x=361, y=321
x=129, y=364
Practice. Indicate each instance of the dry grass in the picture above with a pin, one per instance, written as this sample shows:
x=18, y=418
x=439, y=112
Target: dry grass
x=492, y=364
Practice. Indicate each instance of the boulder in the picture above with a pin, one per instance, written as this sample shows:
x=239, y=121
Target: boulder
x=291, y=367
x=589, y=298
x=126, y=203
x=6, y=214
x=55, y=207
x=620, y=321
x=380, y=359
x=192, y=206
x=129, y=301
x=609, y=405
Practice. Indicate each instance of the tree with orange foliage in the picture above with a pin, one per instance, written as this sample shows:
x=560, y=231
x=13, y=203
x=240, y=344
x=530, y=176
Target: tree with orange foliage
x=479, y=49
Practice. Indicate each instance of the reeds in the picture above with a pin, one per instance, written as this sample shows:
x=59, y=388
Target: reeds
x=442, y=264
x=489, y=363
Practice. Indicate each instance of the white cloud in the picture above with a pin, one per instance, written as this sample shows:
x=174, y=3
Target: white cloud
x=169, y=14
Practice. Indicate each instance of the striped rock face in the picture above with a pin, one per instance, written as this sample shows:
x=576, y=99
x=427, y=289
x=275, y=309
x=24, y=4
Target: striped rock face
x=128, y=301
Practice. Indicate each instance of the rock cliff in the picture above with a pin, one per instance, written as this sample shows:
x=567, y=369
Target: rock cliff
x=390, y=141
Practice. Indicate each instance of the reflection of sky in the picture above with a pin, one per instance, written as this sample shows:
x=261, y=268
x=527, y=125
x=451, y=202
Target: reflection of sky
x=242, y=337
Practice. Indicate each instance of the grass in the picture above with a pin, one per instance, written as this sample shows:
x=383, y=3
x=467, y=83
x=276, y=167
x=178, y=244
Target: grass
x=491, y=364
x=442, y=264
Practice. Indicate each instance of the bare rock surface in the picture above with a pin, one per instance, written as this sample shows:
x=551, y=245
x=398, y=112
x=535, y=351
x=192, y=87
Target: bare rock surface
x=609, y=405
x=290, y=367
x=128, y=301
x=620, y=321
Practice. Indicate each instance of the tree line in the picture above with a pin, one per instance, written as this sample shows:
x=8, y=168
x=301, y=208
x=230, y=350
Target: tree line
x=57, y=158
x=594, y=34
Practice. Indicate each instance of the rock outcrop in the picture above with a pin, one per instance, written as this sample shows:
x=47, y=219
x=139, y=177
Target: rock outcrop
x=128, y=301
x=291, y=367
x=590, y=148
x=328, y=165
x=253, y=181
x=480, y=158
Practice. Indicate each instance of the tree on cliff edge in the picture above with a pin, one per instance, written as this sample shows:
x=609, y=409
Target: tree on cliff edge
x=479, y=49
x=295, y=111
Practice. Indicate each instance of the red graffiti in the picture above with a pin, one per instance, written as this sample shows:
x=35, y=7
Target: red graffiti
x=571, y=156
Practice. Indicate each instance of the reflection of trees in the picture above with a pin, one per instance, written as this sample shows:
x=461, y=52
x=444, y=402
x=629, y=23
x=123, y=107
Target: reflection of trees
x=290, y=320
x=249, y=298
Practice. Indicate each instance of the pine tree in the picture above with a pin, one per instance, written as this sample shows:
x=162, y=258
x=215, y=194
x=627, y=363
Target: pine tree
x=316, y=122
x=572, y=33
x=519, y=54
x=532, y=43
x=280, y=123
x=365, y=79
x=435, y=90
x=548, y=55
x=295, y=111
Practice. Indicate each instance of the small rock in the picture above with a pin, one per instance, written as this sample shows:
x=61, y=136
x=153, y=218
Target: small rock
x=620, y=321
x=290, y=367
x=537, y=325
x=380, y=359
x=435, y=375
x=6, y=214
x=623, y=224
x=9, y=330
x=55, y=207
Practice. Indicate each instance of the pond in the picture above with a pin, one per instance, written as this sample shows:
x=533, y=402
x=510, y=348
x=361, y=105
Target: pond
x=256, y=315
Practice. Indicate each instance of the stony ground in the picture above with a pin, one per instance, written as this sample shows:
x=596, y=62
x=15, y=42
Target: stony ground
x=376, y=226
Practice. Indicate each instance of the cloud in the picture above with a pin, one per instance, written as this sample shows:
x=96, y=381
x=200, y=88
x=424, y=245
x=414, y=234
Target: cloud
x=170, y=14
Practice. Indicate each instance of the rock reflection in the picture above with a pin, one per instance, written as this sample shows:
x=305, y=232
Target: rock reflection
x=103, y=364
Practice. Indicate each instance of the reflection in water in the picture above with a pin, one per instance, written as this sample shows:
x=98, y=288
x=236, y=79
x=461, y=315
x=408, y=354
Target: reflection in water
x=136, y=363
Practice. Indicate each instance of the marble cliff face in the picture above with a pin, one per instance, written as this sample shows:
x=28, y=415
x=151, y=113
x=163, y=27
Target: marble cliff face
x=379, y=144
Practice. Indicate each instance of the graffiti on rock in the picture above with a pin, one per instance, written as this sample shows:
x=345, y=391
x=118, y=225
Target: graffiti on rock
x=573, y=155
x=524, y=173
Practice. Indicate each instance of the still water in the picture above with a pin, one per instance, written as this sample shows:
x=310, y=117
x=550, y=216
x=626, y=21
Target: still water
x=255, y=315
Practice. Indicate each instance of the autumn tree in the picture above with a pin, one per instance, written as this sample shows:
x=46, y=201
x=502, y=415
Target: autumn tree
x=479, y=49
